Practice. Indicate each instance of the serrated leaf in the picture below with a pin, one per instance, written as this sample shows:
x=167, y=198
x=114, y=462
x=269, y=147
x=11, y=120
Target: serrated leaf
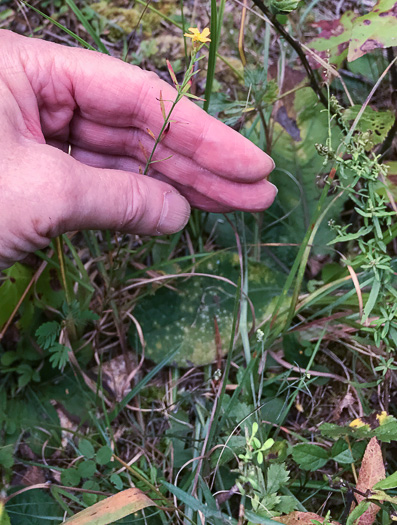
x=371, y=472
x=310, y=457
x=47, y=334
x=277, y=476
x=378, y=123
x=376, y=29
x=112, y=509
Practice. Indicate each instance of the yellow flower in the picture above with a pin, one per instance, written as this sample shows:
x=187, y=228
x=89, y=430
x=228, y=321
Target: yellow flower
x=357, y=423
x=381, y=417
x=196, y=36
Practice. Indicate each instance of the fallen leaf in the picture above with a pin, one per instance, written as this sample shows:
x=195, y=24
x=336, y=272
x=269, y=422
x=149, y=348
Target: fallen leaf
x=371, y=472
x=112, y=509
x=301, y=518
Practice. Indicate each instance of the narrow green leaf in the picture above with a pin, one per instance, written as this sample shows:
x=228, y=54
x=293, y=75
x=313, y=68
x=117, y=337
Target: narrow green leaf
x=388, y=483
x=371, y=299
x=195, y=504
x=60, y=26
x=357, y=512
x=87, y=26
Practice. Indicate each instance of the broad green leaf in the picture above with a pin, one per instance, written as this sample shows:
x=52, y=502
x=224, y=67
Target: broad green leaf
x=341, y=452
x=86, y=448
x=17, y=279
x=86, y=469
x=34, y=507
x=277, y=476
x=298, y=166
x=104, y=455
x=333, y=41
x=378, y=123
x=112, y=509
x=70, y=477
x=7, y=456
x=376, y=29
x=386, y=432
x=389, y=483
x=189, y=317
x=310, y=457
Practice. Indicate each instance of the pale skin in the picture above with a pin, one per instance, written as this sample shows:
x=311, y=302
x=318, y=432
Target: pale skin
x=55, y=100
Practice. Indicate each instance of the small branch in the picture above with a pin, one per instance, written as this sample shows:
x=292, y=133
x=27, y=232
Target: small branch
x=298, y=49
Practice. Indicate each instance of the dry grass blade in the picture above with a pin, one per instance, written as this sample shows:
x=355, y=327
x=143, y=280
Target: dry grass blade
x=111, y=509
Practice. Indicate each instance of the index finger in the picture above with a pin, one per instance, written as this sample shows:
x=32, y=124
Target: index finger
x=109, y=91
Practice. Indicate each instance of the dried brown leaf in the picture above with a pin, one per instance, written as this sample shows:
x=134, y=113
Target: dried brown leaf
x=371, y=472
x=300, y=518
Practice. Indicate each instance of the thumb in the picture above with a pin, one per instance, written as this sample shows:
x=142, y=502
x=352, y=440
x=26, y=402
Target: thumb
x=95, y=198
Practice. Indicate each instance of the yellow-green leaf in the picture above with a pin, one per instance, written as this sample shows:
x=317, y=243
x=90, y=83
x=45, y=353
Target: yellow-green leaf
x=4, y=519
x=376, y=29
x=112, y=509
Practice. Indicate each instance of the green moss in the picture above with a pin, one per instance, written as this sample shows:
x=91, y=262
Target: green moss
x=125, y=20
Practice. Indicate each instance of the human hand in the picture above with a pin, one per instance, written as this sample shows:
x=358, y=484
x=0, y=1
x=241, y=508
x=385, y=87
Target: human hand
x=54, y=98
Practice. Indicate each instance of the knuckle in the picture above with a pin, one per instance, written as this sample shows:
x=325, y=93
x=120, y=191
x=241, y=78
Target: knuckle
x=135, y=204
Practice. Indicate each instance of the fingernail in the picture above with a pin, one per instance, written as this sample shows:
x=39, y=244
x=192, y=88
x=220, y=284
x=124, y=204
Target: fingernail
x=174, y=215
